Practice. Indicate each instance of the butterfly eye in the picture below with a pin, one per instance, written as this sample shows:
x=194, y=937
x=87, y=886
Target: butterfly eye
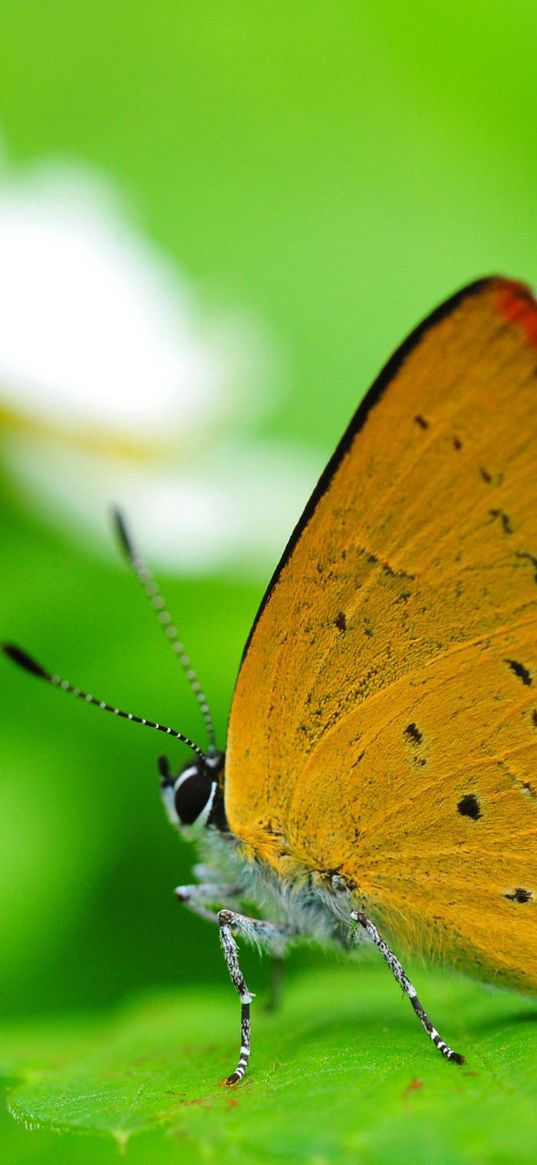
x=191, y=797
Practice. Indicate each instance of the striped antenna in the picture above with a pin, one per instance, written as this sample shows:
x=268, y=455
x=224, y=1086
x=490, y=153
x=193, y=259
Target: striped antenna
x=158, y=603
x=25, y=661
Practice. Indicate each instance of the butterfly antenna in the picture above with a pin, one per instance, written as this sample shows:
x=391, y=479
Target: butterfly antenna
x=25, y=661
x=158, y=603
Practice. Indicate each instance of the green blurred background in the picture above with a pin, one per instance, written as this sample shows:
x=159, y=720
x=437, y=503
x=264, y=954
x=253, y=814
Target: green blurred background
x=335, y=169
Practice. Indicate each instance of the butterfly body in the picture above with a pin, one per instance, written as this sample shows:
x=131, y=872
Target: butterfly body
x=305, y=903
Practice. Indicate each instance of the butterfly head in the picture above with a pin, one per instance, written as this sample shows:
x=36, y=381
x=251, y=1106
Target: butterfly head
x=193, y=797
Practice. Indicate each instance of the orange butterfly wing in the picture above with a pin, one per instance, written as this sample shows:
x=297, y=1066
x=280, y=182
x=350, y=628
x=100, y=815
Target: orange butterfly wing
x=384, y=721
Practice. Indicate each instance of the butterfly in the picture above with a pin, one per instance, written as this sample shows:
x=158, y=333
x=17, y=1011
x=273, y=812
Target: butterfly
x=379, y=783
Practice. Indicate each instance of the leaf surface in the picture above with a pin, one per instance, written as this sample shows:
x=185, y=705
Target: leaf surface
x=341, y=1073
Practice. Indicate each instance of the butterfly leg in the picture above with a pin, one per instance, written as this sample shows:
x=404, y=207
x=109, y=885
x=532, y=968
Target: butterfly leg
x=196, y=897
x=263, y=933
x=400, y=975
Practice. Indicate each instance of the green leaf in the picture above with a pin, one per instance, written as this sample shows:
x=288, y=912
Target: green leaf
x=341, y=1073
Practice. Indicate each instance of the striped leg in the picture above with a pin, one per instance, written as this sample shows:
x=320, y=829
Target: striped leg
x=195, y=897
x=263, y=933
x=399, y=974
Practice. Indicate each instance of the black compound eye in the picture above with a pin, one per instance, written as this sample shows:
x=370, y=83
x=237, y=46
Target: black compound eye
x=193, y=792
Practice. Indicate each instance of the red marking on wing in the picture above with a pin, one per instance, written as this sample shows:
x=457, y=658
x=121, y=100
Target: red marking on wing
x=518, y=306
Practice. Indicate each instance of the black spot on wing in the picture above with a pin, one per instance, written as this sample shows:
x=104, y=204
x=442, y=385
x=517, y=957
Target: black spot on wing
x=457, y=443
x=468, y=806
x=490, y=478
x=503, y=519
x=423, y=424
x=520, y=671
x=531, y=558
x=387, y=569
x=413, y=734
x=519, y=894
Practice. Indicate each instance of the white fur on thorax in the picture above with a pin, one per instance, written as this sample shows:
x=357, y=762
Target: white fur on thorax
x=310, y=907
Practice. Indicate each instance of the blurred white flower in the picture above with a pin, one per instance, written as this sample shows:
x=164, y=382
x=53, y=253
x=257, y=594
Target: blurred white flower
x=117, y=386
